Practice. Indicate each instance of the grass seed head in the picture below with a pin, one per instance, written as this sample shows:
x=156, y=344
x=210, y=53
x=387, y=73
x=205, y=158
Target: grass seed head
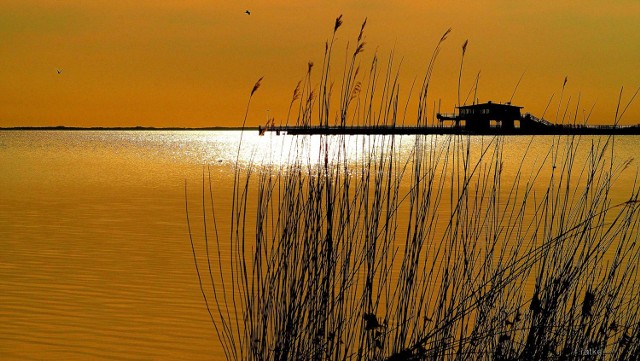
x=338, y=23
x=256, y=86
x=364, y=23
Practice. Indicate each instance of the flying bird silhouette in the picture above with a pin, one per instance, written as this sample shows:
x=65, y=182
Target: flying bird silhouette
x=247, y=12
x=59, y=71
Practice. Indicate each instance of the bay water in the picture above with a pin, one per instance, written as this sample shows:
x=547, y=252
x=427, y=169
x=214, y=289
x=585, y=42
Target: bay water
x=95, y=257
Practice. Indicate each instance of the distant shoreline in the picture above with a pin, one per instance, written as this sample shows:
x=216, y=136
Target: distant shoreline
x=128, y=128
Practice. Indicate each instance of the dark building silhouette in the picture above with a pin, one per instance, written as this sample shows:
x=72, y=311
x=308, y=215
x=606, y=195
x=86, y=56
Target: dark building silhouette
x=487, y=116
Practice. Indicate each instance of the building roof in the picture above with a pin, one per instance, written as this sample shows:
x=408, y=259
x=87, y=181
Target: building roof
x=489, y=105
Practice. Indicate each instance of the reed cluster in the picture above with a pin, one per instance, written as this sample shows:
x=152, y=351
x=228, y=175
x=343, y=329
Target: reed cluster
x=422, y=247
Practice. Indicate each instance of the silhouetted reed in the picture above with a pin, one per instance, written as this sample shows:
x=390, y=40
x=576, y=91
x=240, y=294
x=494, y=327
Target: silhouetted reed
x=368, y=252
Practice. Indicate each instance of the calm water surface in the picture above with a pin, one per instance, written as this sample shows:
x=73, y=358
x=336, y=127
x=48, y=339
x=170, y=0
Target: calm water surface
x=95, y=259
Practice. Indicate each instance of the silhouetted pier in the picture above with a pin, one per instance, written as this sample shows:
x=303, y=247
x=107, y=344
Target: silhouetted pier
x=408, y=130
x=477, y=119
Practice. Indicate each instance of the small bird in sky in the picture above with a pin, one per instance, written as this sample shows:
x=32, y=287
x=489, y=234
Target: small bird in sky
x=59, y=71
x=247, y=12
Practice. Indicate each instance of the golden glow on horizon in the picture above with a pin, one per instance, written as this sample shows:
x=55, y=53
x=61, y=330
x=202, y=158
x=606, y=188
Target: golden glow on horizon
x=169, y=63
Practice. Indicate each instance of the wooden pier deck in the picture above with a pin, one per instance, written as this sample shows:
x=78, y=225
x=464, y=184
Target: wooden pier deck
x=442, y=130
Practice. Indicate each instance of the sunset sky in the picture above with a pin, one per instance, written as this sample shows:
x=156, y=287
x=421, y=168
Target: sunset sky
x=193, y=63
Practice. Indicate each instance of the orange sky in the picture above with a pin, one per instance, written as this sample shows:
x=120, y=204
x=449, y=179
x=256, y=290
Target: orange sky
x=193, y=63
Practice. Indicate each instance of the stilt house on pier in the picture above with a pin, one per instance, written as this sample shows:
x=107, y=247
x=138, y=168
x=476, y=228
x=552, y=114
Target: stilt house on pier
x=489, y=117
